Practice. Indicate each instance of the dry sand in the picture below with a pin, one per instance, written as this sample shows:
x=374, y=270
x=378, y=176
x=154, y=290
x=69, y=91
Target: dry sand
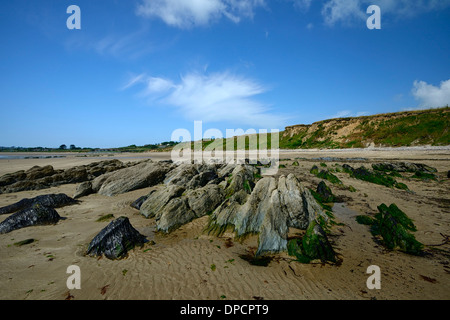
x=189, y=264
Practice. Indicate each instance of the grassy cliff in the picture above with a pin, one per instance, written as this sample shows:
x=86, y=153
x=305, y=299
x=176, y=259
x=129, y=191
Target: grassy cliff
x=408, y=128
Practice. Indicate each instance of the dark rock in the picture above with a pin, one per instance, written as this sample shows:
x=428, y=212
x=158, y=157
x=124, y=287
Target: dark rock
x=325, y=192
x=138, y=203
x=115, y=240
x=49, y=200
x=35, y=215
x=38, y=178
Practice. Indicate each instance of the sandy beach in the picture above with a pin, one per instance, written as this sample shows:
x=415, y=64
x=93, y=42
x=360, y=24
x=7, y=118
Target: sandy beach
x=190, y=264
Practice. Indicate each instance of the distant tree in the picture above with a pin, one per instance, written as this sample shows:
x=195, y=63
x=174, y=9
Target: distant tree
x=63, y=147
x=72, y=147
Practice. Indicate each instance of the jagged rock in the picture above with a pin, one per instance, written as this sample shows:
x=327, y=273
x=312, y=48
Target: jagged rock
x=241, y=178
x=181, y=175
x=34, y=215
x=84, y=189
x=403, y=167
x=49, y=200
x=271, y=208
x=205, y=200
x=175, y=214
x=75, y=175
x=157, y=199
x=11, y=178
x=38, y=178
x=37, y=172
x=140, y=176
x=115, y=240
x=138, y=203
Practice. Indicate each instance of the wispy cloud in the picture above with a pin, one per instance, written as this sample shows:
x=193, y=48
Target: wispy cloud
x=430, y=96
x=218, y=97
x=131, y=45
x=347, y=11
x=349, y=113
x=193, y=13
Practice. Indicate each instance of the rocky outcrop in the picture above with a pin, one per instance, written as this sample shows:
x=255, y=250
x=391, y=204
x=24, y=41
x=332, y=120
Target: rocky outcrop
x=143, y=175
x=34, y=215
x=38, y=178
x=271, y=208
x=49, y=200
x=194, y=190
x=115, y=240
x=403, y=167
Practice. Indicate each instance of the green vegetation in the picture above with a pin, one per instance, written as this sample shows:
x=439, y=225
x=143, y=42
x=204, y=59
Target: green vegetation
x=393, y=226
x=408, y=128
x=366, y=220
x=325, y=174
x=313, y=245
x=24, y=242
x=377, y=177
x=105, y=218
x=424, y=176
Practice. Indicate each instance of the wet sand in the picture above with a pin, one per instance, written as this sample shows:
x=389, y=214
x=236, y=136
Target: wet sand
x=189, y=264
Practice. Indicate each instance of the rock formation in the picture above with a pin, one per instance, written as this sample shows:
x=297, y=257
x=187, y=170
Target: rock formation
x=142, y=175
x=271, y=208
x=403, y=167
x=38, y=178
x=115, y=240
x=49, y=200
x=34, y=215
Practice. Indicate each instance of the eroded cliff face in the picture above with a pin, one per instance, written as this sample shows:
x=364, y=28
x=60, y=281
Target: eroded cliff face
x=409, y=128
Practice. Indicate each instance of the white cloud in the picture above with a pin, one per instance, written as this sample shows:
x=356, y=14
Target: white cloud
x=302, y=4
x=430, y=96
x=349, y=113
x=346, y=11
x=219, y=97
x=191, y=13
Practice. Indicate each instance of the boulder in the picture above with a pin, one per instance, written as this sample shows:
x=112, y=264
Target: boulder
x=140, y=176
x=115, y=240
x=49, y=200
x=84, y=189
x=34, y=215
x=175, y=214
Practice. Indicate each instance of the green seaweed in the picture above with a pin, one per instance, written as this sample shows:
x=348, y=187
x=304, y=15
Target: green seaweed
x=366, y=220
x=394, y=227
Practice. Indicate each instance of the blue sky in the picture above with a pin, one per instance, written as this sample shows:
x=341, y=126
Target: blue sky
x=137, y=70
